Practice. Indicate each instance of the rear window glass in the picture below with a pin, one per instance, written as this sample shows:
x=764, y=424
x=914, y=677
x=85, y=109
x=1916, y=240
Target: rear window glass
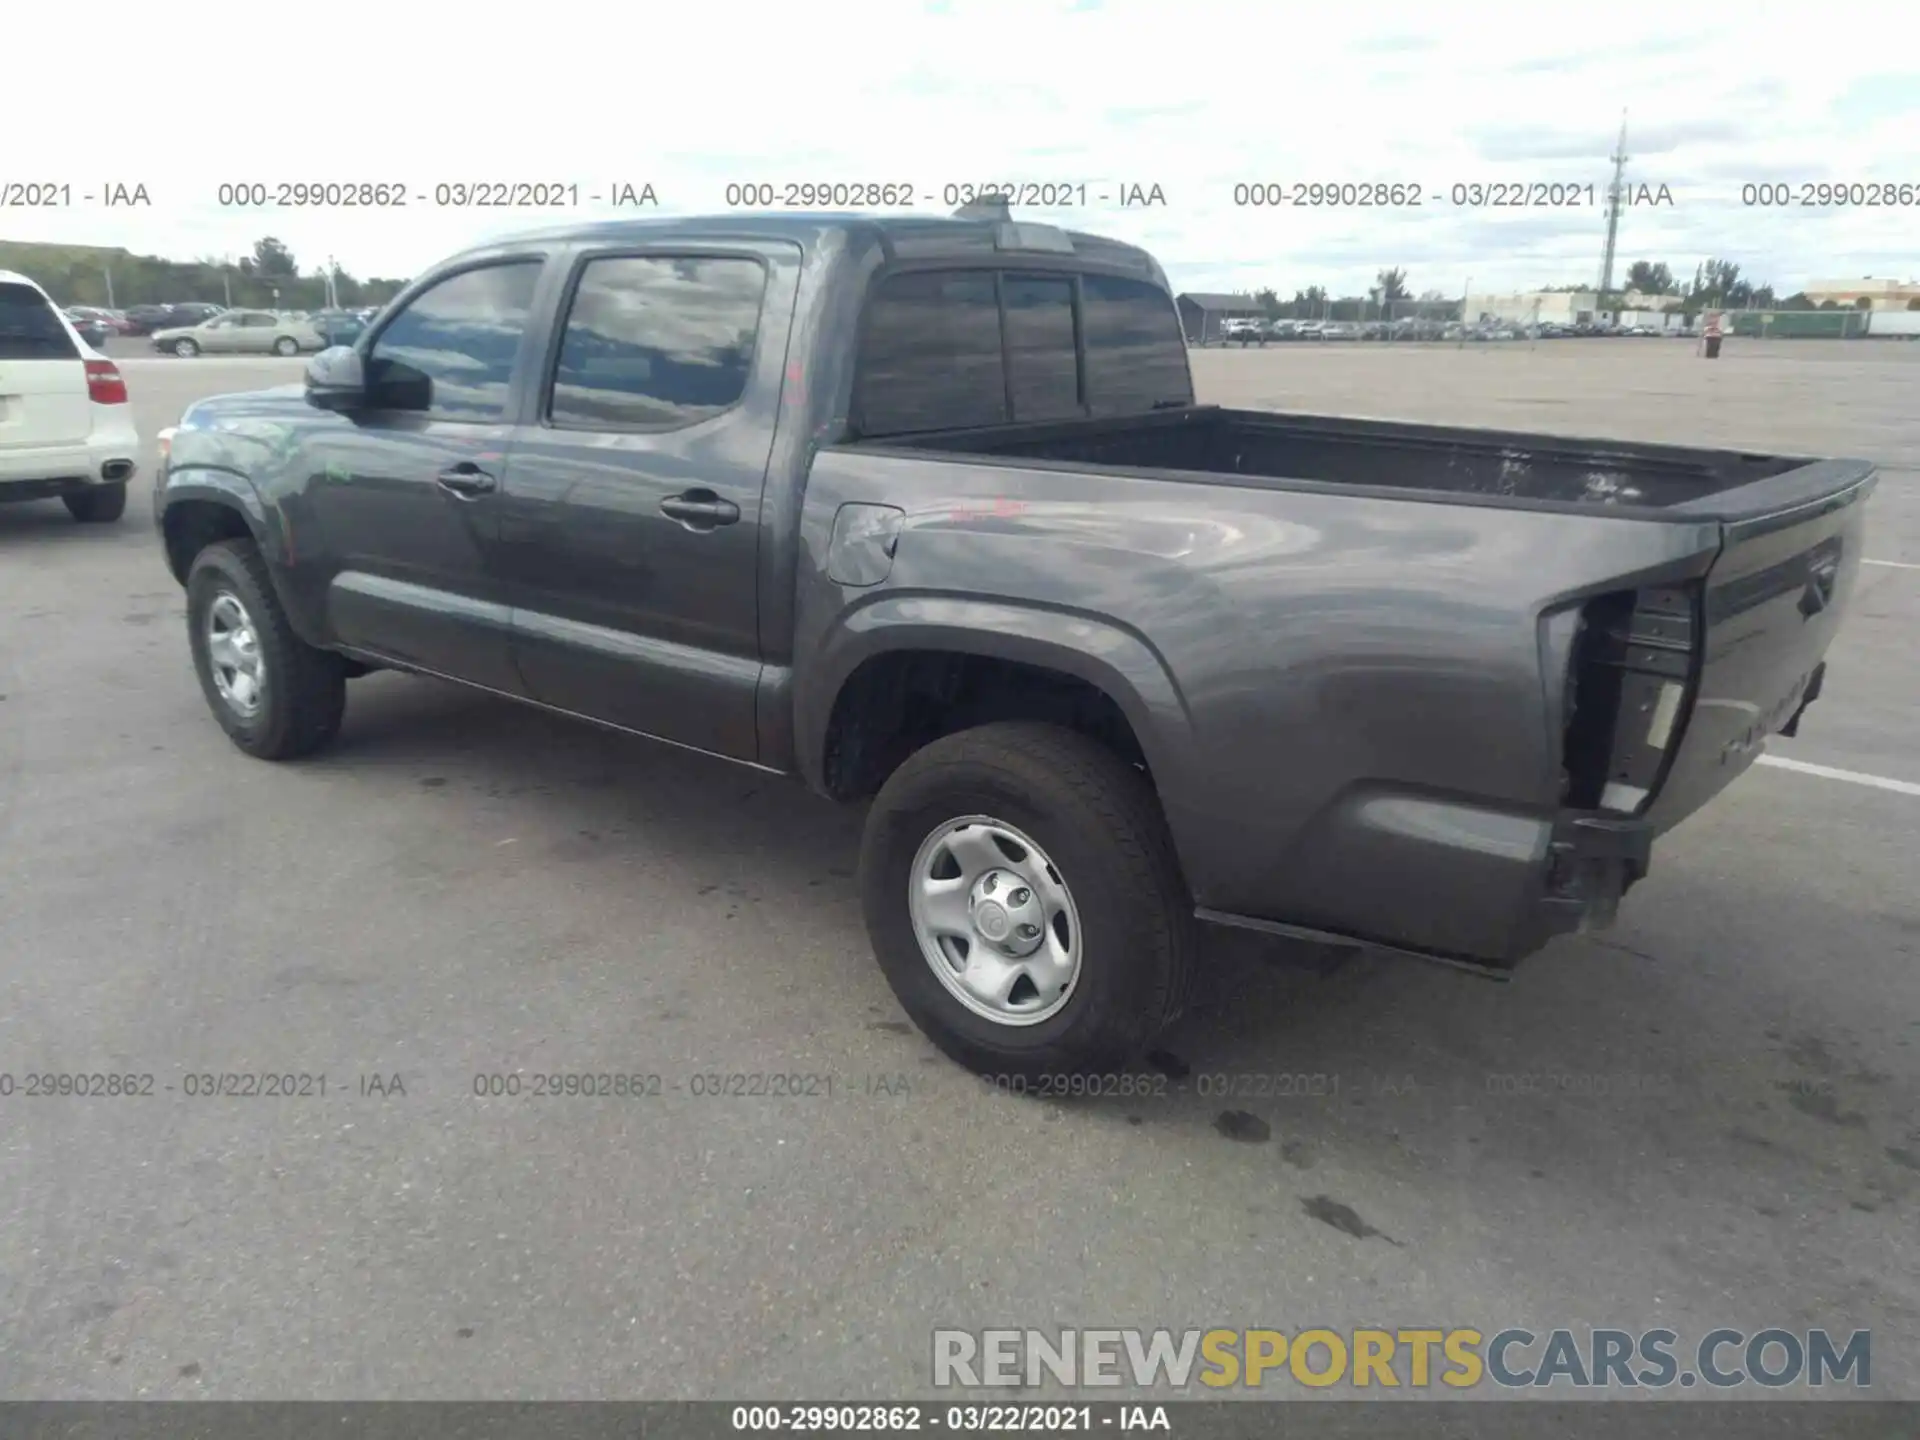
x=1045, y=368
x=1136, y=358
x=29, y=329
x=930, y=357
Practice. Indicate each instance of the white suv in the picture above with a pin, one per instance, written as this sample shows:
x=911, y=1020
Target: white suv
x=66, y=428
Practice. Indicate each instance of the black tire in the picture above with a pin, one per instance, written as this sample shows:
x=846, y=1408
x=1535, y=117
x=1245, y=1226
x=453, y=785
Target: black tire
x=1100, y=822
x=97, y=504
x=286, y=345
x=305, y=691
x=185, y=349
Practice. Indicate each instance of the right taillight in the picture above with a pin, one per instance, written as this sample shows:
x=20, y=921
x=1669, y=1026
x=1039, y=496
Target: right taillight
x=1631, y=677
x=104, y=385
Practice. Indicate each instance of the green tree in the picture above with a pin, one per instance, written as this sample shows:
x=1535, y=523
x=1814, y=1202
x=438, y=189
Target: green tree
x=1391, y=285
x=272, y=260
x=1717, y=280
x=1650, y=277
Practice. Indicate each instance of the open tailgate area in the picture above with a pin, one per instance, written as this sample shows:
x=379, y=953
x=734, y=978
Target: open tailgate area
x=1717, y=668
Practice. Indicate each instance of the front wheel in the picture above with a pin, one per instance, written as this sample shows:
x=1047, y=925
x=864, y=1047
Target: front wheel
x=1023, y=898
x=185, y=349
x=97, y=504
x=276, y=696
x=286, y=345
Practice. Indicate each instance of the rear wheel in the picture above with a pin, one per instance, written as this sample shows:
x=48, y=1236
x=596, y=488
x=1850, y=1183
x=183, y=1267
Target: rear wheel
x=286, y=345
x=1023, y=899
x=276, y=696
x=97, y=504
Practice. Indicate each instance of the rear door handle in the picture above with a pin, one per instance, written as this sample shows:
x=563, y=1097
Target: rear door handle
x=465, y=480
x=700, y=509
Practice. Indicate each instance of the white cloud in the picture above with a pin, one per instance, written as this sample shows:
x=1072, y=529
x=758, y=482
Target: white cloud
x=1194, y=97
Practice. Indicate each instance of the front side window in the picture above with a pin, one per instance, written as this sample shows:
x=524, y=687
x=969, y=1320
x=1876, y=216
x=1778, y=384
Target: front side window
x=451, y=351
x=657, y=342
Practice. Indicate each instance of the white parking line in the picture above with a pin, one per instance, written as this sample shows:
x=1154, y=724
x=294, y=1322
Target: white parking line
x=1893, y=564
x=1852, y=777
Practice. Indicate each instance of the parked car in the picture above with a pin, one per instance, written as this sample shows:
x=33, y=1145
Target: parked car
x=1048, y=618
x=91, y=327
x=1243, y=331
x=66, y=428
x=145, y=319
x=241, y=332
x=338, y=327
x=111, y=320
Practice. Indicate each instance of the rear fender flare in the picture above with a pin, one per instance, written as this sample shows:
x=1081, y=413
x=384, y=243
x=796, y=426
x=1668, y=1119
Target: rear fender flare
x=1115, y=660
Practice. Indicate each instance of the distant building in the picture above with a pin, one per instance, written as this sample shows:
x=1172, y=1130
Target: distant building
x=1537, y=307
x=1879, y=294
x=1201, y=316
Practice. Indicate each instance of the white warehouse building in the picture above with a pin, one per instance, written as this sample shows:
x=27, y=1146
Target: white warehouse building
x=1537, y=307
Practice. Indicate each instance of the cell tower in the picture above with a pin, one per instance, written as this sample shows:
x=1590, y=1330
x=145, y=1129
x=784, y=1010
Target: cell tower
x=1616, y=197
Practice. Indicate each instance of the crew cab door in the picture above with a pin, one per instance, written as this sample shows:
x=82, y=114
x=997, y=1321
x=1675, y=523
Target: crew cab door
x=401, y=494
x=631, y=522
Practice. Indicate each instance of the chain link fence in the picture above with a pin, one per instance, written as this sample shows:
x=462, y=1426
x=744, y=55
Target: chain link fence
x=1477, y=319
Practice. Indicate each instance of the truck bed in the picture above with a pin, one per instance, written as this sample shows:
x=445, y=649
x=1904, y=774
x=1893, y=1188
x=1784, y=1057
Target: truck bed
x=1407, y=671
x=1382, y=456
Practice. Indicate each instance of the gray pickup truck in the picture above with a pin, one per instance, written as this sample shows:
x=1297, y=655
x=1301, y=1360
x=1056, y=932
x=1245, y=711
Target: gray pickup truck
x=924, y=511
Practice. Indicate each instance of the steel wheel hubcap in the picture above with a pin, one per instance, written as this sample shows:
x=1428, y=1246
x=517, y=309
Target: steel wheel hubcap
x=233, y=654
x=995, y=921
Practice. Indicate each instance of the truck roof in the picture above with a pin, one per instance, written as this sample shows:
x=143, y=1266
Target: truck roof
x=913, y=237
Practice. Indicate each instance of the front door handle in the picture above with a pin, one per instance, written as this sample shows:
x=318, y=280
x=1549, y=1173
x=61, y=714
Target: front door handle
x=700, y=509
x=465, y=480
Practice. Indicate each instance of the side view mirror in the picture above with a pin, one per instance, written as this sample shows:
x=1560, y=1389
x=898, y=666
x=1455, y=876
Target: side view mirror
x=336, y=379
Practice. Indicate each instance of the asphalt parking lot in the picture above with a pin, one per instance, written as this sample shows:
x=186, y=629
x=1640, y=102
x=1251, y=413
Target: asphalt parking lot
x=1706, y=1117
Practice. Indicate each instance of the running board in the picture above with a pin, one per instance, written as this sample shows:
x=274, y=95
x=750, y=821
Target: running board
x=1351, y=942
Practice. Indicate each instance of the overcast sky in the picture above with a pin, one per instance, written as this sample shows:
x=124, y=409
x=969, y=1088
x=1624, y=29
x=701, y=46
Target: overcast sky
x=1190, y=96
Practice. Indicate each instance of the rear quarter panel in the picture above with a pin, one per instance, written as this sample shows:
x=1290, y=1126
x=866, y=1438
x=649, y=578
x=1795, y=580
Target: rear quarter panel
x=1344, y=700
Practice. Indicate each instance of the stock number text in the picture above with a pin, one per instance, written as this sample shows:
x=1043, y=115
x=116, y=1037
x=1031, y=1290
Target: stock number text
x=1851, y=194
x=1327, y=194
x=312, y=194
